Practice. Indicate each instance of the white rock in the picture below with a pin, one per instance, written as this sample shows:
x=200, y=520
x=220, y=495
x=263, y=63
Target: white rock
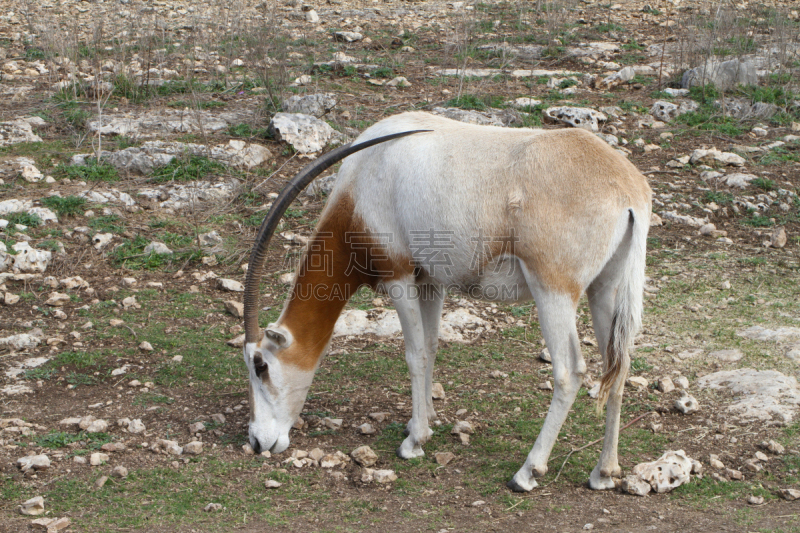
x=101, y=240
x=665, y=385
x=364, y=456
x=193, y=448
x=577, y=117
x=384, y=476
x=28, y=259
x=728, y=356
x=305, y=133
x=738, y=179
x=462, y=426
x=57, y=299
x=711, y=156
x=635, y=485
x=37, y=462
x=687, y=404
x=120, y=472
x=638, y=382
x=97, y=459
x=272, y=484
x=32, y=507
x=97, y=426
x=760, y=395
x=136, y=426
x=146, y=346
x=21, y=341
x=158, y=248
x=667, y=472
x=229, y=285
x=315, y=105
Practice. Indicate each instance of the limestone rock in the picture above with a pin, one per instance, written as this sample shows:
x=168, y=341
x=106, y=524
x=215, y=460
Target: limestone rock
x=32, y=507
x=492, y=117
x=364, y=456
x=444, y=458
x=687, y=404
x=462, y=426
x=315, y=105
x=577, y=117
x=667, y=472
x=193, y=448
x=120, y=472
x=158, y=248
x=36, y=462
x=727, y=356
x=635, y=485
x=57, y=299
x=272, y=484
x=306, y=134
x=97, y=458
x=28, y=259
x=702, y=156
x=724, y=75
x=759, y=394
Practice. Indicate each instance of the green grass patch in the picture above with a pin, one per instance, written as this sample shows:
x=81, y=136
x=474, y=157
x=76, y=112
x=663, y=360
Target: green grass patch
x=92, y=171
x=188, y=168
x=60, y=439
x=130, y=254
x=107, y=224
x=476, y=102
x=65, y=207
x=758, y=220
x=201, y=104
x=26, y=219
x=246, y=131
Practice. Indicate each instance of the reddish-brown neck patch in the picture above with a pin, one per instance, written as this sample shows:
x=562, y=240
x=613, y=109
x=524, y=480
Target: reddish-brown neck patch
x=341, y=256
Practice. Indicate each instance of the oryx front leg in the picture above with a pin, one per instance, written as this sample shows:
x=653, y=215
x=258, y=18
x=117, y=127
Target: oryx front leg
x=557, y=319
x=405, y=297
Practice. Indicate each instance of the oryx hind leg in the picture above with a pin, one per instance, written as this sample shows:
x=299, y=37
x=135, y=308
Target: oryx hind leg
x=405, y=297
x=602, y=295
x=431, y=303
x=557, y=320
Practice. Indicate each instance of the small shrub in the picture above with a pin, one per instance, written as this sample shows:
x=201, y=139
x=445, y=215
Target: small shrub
x=189, y=168
x=765, y=184
x=107, y=224
x=202, y=104
x=91, y=171
x=382, y=72
x=65, y=207
x=26, y=219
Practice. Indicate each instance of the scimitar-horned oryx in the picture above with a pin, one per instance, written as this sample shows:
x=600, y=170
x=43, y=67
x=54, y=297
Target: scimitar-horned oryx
x=514, y=214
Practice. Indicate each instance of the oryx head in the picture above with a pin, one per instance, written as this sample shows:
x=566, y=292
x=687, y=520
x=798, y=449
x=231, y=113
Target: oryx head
x=278, y=387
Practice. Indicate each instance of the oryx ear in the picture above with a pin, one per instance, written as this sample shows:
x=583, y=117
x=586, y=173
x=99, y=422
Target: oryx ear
x=278, y=335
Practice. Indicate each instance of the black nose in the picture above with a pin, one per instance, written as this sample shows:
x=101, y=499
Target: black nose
x=257, y=447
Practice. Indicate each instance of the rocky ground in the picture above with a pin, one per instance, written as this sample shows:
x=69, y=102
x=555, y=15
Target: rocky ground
x=141, y=144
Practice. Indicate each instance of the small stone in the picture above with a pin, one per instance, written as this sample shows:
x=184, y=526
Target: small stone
x=637, y=382
x=790, y=494
x=219, y=418
x=665, y=385
x=728, y=356
x=57, y=525
x=497, y=374
x=544, y=355
x=778, y=238
x=197, y=427
x=464, y=438
x=776, y=448
x=229, y=285
x=316, y=454
x=462, y=426
x=366, y=429
x=332, y=423
x=32, y=507
x=235, y=308
x=146, y=346
x=755, y=500
x=384, y=476
x=193, y=448
x=79, y=460
x=715, y=462
x=437, y=391
x=378, y=417
x=682, y=382
x=687, y=404
x=97, y=426
x=733, y=474
x=546, y=385
x=120, y=472
x=635, y=485
x=158, y=248
x=57, y=299
x=97, y=458
x=364, y=456
x=136, y=426
x=100, y=482
x=36, y=462
x=761, y=456
x=444, y=458
x=272, y=484
x=212, y=507
x=247, y=449
x=478, y=503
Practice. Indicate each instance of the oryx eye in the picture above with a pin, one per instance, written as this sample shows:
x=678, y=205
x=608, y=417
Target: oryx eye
x=260, y=366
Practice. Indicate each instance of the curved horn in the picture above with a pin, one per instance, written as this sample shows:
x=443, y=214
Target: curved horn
x=255, y=268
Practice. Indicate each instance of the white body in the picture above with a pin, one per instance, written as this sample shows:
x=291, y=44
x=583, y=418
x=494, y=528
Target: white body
x=500, y=214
